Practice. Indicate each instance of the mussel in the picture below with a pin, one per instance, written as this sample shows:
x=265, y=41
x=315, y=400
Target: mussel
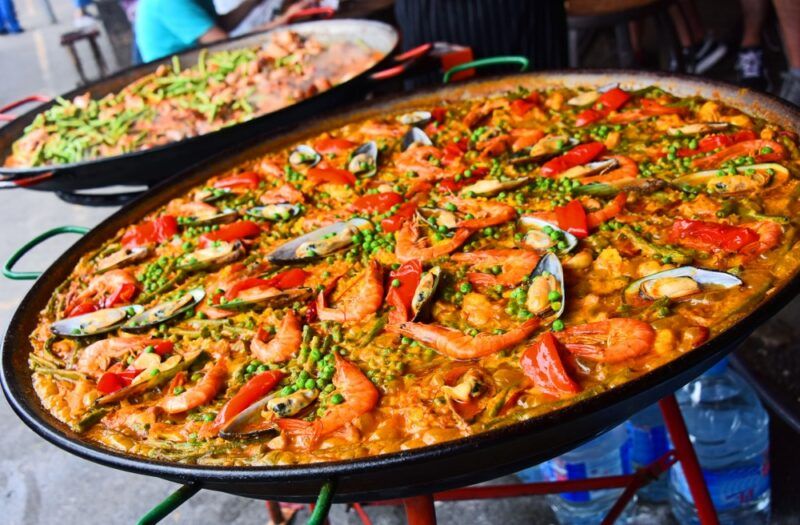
x=164, y=312
x=468, y=394
x=364, y=161
x=211, y=194
x=547, y=147
x=304, y=155
x=415, y=136
x=438, y=217
x=414, y=118
x=217, y=254
x=423, y=296
x=249, y=422
x=678, y=283
x=546, y=292
x=94, y=323
x=493, y=186
x=210, y=217
x=698, y=128
x=321, y=242
x=122, y=257
x=590, y=97
x=288, y=406
x=542, y=235
x=264, y=296
x=592, y=168
x=156, y=374
x=747, y=179
x=275, y=212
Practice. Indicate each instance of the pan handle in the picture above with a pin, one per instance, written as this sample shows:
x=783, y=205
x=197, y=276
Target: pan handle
x=8, y=267
x=407, y=60
x=21, y=102
x=323, y=13
x=522, y=61
x=99, y=200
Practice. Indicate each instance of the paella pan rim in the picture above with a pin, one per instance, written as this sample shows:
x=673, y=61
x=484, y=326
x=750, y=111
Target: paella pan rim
x=571, y=424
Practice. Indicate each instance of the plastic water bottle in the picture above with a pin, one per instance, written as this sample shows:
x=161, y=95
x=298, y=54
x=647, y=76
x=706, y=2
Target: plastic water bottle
x=730, y=432
x=531, y=474
x=607, y=455
x=649, y=441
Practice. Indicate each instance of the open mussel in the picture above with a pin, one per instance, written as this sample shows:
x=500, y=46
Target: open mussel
x=678, y=283
x=321, y=242
x=590, y=97
x=543, y=236
x=747, y=179
x=164, y=312
x=468, y=394
x=415, y=136
x=217, y=254
x=438, y=218
x=547, y=147
x=265, y=296
x=155, y=374
x=250, y=422
x=698, y=128
x=275, y=212
x=304, y=155
x=597, y=167
x=122, y=257
x=210, y=217
x=423, y=296
x=364, y=161
x=94, y=323
x=292, y=404
x=415, y=118
x=546, y=292
x=209, y=195
x=490, y=187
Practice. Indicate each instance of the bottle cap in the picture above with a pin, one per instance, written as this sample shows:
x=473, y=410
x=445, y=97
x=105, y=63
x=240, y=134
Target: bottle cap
x=719, y=368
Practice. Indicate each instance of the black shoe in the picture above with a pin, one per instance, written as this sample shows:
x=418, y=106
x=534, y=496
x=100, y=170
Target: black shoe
x=708, y=54
x=750, y=69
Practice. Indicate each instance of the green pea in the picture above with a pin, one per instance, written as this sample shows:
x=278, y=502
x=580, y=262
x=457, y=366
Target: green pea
x=558, y=325
x=396, y=283
x=337, y=399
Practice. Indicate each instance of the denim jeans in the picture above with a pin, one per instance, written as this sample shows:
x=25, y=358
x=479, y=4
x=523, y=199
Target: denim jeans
x=8, y=17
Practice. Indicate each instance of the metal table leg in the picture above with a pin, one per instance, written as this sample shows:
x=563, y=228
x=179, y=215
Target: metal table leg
x=419, y=510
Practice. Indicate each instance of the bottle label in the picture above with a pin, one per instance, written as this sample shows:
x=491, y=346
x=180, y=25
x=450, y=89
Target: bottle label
x=559, y=470
x=729, y=487
x=648, y=444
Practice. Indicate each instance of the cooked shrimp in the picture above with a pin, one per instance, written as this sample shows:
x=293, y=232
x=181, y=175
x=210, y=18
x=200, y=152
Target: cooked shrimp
x=458, y=345
x=204, y=391
x=360, y=396
x=359, y=302
x=611, y=210
x=609, y=341
x=409, y=245
x=525, y=138
x=281, y=347
x=96, y=358
x=494, y=146
x=627, y=169
x=760, y=150
x=425, y=161
x=283, y=194
x=103, y=288
x=486, y=213
x=482, y=111
x=514, y=265
x=194, y=209
x=769, y=236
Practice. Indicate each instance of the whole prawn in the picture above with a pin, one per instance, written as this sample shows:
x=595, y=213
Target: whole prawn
x=410, y=246
x=609, y=341
x=515, y=265
x=359, y=302
x=201, y=393
x=281, y=347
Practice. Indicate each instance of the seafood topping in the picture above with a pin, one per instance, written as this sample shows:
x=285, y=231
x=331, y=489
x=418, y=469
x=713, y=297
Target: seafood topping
x=304, y=155
x=94, y=323
x=164, y=312
x=364, y=161
x=678, y=283
x=321, y=242
x=546, y=291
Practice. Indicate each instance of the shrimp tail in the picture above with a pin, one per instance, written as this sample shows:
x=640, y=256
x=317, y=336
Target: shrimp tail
x=306, y=433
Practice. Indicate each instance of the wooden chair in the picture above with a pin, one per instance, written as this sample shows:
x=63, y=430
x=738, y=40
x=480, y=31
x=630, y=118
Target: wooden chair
x=590, y=15
x=70, y=39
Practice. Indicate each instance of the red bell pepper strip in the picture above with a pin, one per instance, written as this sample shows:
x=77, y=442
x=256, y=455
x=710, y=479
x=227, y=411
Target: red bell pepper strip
x=399, y=297
x=331, y=176
x=234, y=231
x=711, y=236
x=122, y=295
x=247, y=179
x=378, y=202
x=712, y=142
x=81, y=308
x=438, y=114
x=163, y=347
x=587, y=116
x=760, y=150
x=651, y=108
x=454, y=185
x=542, y=364
x=393, y=223
x=521, y=106
x=112, y=381
x=577, y=156
x=326, y=146
x=572, y=218
x=150, y=232
x=612, y=100
x=283, y=281
x=454, y=151
x=258, y=386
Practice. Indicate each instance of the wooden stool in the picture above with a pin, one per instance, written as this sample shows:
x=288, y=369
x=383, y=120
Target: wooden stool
x=588, y=15
x=69, y=40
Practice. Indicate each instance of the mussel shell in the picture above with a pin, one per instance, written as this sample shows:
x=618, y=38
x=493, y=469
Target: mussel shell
x=275, y=212
x=435, y=217
x=240, y=426
x=494, y=186
x=537, y=224
x=266, y=296
x=415, y=136
x=215, y=255
x=210, y=195
x=163, y=312
x=423, y=296
x=364, y=160
x=304, y=155
x=550, y=264
x=727, y=184
x=94, y=323
x=122, y=258
x=319, y=243
x=547, y=147
x=699, y=275
x=698, y=128
x=590, y=97
x=287, y=406
x=415, y=118
x=592, y=168
x=223, y=217
x=147, y=381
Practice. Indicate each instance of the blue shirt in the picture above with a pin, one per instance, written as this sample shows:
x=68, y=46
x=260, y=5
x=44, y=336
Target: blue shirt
x=166, y=27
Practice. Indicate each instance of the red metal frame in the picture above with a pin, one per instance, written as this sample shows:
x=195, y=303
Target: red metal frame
x=420, y=509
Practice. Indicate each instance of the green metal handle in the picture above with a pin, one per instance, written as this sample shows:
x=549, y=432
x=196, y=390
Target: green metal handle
x=170, y=503
x=491, y=61
x=8, y=267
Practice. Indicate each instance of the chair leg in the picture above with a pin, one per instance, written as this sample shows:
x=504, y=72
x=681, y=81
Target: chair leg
x=98, y=57
x=624, y=49
x=73, y=55
x=574, y=37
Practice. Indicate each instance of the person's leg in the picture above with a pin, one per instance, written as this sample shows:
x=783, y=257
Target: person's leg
x=789, y=17
x=750, y=62
x=700, y=50
x=8, y=17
